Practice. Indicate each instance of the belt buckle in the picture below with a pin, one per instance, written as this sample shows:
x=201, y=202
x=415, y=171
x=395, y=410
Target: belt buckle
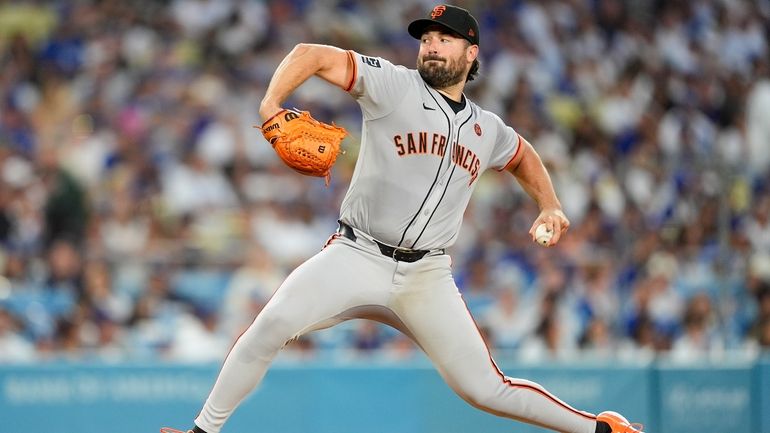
x=396, y=251
x=408, y=255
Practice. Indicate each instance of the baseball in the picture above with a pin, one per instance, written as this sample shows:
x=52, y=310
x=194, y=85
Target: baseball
x=543, y=235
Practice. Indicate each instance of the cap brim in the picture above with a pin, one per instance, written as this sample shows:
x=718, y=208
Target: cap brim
x=417, y=27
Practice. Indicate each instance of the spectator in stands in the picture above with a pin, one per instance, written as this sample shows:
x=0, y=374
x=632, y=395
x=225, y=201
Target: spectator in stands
x=698, y=340
x=126, y=139
x=14, y=347
x=759, y=332
x=597, y=341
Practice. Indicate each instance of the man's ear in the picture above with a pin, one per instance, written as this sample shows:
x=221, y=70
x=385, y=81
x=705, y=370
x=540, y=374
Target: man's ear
x=472, y=53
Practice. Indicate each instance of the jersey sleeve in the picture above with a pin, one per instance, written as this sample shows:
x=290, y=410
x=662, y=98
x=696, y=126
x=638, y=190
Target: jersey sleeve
x=377, y=84
x=507, y=145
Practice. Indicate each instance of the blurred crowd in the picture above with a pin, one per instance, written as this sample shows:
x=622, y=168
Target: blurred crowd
x=143, y=218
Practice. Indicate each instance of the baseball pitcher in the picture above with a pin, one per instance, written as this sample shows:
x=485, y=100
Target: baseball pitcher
x=423, y=147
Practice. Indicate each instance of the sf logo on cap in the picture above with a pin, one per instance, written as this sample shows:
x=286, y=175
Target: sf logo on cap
x=437, y=11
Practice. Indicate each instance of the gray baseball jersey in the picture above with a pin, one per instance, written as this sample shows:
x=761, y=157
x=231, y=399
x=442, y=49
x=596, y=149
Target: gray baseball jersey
x=417, y=167
x=419, y=161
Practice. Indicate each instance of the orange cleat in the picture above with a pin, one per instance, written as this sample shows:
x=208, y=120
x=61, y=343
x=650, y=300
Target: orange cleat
x=173, y=430
x=618, y=423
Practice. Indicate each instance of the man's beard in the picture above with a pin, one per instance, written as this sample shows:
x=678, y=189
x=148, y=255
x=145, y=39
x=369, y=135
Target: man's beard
x=440, y=75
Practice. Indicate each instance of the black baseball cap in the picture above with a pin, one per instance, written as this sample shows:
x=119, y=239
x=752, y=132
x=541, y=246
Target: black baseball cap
x=454, y=18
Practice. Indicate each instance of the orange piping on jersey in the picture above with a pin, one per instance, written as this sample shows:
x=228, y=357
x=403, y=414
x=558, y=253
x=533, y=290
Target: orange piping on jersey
x=352, y=61
x=331, y=239
x=518, y=148
x=509, y=381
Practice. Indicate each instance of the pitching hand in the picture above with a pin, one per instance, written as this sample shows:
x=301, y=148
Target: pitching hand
x=555, y=220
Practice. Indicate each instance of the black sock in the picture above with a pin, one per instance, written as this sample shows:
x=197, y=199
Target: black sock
x=601, y=427
x=197, y=429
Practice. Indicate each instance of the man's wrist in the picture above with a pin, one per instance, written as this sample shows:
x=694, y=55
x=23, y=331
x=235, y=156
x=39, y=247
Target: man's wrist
x=550, y=207
x=268, y=110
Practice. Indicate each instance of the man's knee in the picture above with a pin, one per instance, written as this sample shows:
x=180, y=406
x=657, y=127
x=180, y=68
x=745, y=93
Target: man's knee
x=269, y=328
x=478, y=394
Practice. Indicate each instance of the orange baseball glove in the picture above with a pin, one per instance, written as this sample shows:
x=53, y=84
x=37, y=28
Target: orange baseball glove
x=303, y=143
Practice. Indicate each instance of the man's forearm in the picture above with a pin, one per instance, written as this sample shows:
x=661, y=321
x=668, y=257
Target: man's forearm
x=534, y=178
x=299, y=65
x=330, y=63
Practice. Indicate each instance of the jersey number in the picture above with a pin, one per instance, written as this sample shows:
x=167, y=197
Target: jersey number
x=371, y=61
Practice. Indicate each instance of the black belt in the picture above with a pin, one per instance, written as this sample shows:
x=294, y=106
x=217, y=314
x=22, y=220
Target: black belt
x=397, y=254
